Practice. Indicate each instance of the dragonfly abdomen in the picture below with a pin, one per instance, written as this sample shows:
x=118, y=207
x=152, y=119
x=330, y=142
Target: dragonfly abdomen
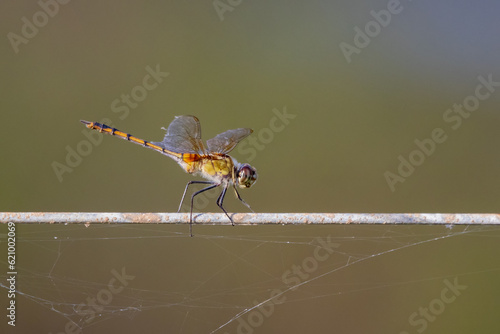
x=123, y=135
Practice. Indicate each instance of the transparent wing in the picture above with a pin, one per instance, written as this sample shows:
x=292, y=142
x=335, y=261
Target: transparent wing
x=183, y=136
x=226, y=141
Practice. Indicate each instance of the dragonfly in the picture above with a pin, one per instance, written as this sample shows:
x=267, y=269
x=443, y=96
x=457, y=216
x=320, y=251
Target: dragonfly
x=183, y=143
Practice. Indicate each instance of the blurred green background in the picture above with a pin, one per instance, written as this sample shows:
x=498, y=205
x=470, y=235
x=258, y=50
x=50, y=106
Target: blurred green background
x=240, y=64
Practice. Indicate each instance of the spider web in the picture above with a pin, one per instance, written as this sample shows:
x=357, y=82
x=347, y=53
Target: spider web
x=246, y=279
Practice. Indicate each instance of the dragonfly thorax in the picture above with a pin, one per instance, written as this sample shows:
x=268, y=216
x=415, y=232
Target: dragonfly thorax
x=218, y=168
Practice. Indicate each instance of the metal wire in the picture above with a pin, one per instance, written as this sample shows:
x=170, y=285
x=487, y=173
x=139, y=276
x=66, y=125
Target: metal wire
x=250, y=218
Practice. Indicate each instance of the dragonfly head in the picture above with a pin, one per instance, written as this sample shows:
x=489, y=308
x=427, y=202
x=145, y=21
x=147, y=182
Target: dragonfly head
x=246, y=175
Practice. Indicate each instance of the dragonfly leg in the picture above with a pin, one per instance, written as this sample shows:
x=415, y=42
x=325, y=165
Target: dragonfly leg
x=241, y=199
x=219, y=203
x=213, y=185
x=187, y=186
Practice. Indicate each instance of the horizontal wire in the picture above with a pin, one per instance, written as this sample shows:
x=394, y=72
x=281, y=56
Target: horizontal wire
x=251, y=218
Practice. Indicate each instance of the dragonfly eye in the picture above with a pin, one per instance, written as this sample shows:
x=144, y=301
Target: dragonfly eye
x=246, y=176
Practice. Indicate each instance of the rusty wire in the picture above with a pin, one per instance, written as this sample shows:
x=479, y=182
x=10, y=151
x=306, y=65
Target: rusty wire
x=250, y=218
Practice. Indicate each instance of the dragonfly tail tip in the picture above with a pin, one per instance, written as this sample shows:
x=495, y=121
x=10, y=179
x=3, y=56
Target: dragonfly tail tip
x=87, y=123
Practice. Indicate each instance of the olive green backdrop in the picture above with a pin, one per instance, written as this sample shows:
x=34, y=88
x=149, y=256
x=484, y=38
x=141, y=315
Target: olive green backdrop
x=379, y=106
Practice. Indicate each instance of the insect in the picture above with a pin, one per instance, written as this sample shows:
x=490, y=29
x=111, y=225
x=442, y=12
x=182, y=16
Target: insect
x=182, y=143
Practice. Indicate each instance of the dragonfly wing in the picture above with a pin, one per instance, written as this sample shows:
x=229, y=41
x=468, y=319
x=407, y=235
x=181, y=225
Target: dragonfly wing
x=226, y=141
x=183, y=136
